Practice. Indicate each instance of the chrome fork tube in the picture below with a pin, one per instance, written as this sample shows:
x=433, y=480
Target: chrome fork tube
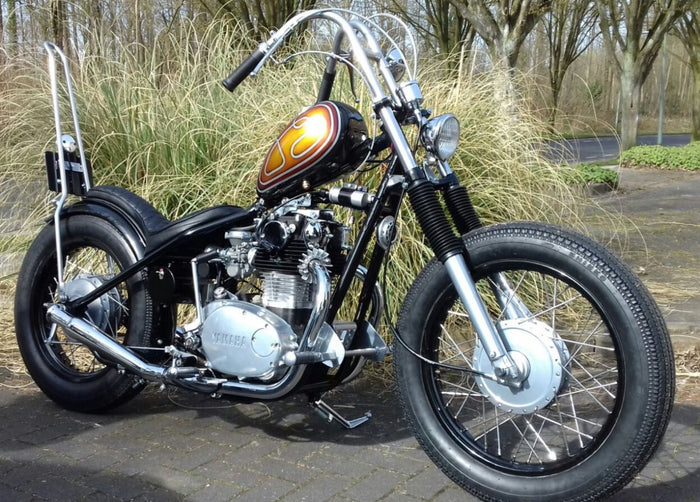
x=488, y=335
x=511, y=304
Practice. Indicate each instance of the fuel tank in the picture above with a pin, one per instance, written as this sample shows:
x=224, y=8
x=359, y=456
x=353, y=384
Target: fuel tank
x=325, y=142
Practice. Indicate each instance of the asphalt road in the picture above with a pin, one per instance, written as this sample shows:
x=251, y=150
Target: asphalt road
x=604, y=147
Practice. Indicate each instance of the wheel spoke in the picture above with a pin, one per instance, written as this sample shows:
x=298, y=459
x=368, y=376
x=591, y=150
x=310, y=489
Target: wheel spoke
x=469, y=391
x=87, y=266
x=553, y=307
x=564, y=426
x=458, y=352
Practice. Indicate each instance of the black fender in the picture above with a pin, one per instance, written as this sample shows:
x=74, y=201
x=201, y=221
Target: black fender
x=164, y=315
x=128, y=231
x=136, y=212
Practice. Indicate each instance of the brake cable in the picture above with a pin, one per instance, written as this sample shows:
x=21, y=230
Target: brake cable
x=415, y=354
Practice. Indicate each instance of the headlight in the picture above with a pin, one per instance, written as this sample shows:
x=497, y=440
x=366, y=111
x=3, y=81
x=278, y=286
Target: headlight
x=441, y=135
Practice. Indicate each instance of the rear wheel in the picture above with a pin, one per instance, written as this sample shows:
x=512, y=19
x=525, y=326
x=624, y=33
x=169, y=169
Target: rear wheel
x=68, y=372
x=600, y=370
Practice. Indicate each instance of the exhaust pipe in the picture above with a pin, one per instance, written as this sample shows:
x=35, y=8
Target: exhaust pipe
x=184, y=377
x=102, y=343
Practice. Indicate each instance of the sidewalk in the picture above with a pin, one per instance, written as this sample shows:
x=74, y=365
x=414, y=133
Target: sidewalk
x=660, y=213
x=179, y=446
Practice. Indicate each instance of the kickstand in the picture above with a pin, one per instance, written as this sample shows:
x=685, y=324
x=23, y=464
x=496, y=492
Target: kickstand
x=327, y=412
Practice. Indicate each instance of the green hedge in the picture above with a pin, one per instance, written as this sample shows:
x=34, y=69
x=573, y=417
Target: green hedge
x=663, y=157
x=586, y=174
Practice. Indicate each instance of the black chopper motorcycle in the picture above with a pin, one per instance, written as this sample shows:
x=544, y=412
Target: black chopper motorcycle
x=530, y=362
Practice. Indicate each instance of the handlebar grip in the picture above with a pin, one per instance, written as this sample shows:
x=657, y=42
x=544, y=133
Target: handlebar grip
x=241, y=73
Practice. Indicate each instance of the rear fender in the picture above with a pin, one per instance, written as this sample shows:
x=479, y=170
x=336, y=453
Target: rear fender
x=163, y=314
x=133, y=235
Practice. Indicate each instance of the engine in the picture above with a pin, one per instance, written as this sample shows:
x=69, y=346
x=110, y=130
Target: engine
x=245, y=340
x=248, y=336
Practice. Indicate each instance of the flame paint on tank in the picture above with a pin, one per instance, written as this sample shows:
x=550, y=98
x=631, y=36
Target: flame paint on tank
x=305, y=140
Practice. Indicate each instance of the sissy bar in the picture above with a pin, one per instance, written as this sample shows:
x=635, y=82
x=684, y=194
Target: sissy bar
x=67, y=172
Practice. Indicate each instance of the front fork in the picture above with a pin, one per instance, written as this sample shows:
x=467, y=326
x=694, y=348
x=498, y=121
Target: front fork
x=449, y=249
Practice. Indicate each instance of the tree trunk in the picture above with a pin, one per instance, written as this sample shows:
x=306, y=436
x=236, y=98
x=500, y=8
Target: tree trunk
x=59, y=28
x=11, y=26
x=630, y=89
x=503, y=62
x=2, y=35
x=554, y=107
x=696, y=103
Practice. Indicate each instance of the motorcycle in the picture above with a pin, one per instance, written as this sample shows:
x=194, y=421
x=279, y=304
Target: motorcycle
x=530, y=362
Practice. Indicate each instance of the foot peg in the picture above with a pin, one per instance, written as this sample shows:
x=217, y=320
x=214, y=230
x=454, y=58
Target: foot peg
x=326, y=411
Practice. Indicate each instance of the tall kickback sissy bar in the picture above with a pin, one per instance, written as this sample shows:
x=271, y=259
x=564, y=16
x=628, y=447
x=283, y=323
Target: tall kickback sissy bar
x=64, y=161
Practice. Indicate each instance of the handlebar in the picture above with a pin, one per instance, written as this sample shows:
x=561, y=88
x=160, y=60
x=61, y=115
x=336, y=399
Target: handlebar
x=243, y=70
x=351, y=31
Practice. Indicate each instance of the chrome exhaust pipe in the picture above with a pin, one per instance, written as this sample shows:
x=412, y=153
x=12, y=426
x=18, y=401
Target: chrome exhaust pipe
x=110, y=350
x=103, y=344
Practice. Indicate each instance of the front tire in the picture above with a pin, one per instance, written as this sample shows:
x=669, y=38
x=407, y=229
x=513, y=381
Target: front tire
x=611, y=378
x=68, y=372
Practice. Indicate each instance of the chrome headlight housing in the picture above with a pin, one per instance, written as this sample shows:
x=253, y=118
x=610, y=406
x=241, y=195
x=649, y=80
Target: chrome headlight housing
x=441, y=135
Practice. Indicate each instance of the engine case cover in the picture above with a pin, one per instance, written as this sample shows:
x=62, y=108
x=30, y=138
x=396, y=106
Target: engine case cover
x=244, y=340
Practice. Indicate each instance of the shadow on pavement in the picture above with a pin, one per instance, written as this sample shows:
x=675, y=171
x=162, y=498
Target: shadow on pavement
x=183, y=446
x=52, y=481
x=674, y=472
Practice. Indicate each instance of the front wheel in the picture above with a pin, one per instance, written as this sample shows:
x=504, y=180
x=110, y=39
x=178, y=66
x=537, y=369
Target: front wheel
x=600, y=371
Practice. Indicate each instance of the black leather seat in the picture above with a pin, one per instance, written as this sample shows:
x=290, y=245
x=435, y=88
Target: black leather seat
x=155, y=228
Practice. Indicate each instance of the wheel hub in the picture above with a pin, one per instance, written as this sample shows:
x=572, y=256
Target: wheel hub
x=103, y=311
x=534, y=347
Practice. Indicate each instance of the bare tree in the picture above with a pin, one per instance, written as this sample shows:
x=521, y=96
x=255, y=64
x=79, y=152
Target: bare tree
x=11, y=26
x=136, y=30
x=440, y=25
x=633, y=31
x=59, y=24
x=570, y=28
x=261, y=16
x=688, y=30
x=503, y=25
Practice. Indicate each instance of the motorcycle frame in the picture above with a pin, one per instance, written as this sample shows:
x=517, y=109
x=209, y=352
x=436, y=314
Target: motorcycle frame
x=402, y=171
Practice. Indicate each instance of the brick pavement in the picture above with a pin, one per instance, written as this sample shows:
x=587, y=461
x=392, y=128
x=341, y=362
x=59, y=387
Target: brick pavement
x=179, y=446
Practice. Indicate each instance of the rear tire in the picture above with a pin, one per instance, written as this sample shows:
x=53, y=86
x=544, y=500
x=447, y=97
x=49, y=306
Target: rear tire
x=607, y=411
x=68, y=372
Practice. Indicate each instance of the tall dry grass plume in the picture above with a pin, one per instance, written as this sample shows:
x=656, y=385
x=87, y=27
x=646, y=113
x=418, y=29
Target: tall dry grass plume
x=166, y=129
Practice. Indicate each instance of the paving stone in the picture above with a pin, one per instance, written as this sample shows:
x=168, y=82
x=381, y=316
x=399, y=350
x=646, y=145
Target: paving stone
x=426, y=484
x=175, y=481
x=323, y=487
x=340, y=464
x=280, y=468
x=11, y=493
x=383, y=456
x=188, y=460
x=453, y=494
x=269, y=490
x=123, y=487
x=215, y=492
x=227, y=473
x=48, y=487
x=254, y=450
x=164, y=456
x=375, y=486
